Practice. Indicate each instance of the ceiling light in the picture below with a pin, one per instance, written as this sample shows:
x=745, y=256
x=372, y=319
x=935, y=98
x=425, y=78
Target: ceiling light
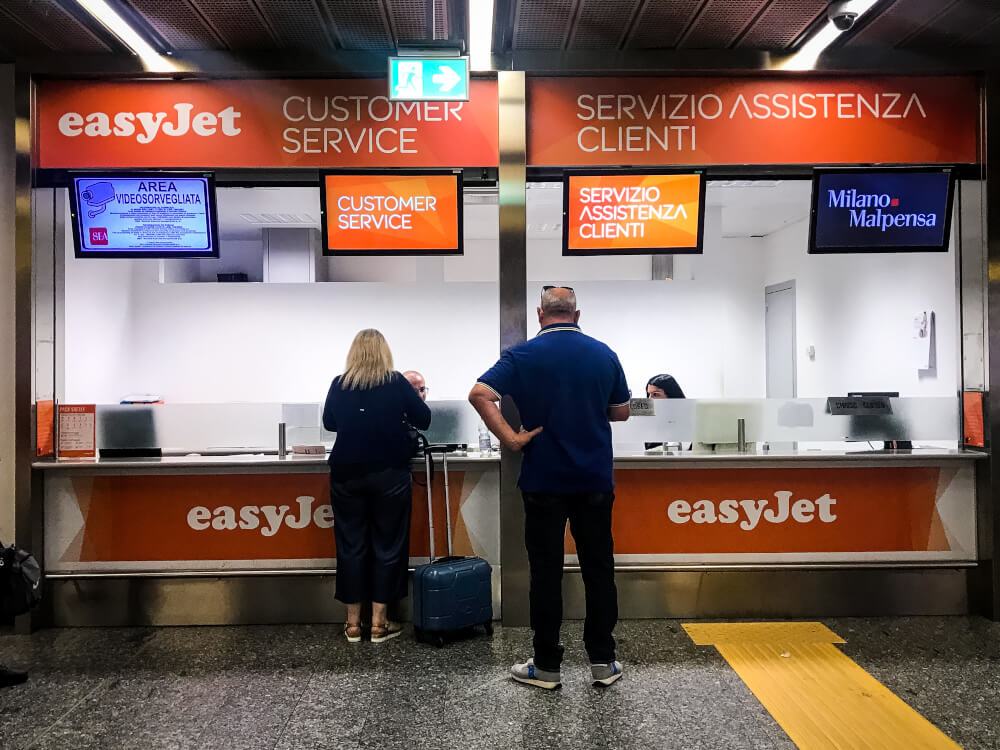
x=481, y=34
x=806, y=56
x=109, y=18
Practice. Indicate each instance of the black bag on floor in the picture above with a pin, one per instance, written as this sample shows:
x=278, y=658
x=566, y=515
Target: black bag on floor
x=20, y=581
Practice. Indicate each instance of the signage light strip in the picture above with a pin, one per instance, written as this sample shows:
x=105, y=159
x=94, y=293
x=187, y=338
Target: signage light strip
x=481, y=34
x=109, y=18
x=808, y=54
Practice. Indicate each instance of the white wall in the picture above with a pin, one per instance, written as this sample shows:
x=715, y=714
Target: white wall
x=705, y=327
x=7, y=288
x=127, y=333
x=857, y=311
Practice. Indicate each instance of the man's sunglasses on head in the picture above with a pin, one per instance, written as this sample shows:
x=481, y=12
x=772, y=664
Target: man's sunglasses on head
x=553, y=286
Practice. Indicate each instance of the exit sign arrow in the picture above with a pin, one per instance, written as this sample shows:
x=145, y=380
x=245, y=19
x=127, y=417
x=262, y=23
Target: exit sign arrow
x=446, y=78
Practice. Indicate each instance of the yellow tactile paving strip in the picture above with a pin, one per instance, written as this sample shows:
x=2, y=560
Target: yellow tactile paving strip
x=820, y=697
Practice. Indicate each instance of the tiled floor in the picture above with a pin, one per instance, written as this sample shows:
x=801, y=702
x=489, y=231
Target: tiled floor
x=303, y=687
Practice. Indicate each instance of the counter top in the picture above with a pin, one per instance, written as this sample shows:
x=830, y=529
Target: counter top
x=906, y=456
x=318, y=463
x=265, y=460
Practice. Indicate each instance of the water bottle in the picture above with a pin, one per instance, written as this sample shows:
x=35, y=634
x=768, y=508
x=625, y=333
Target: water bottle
x=484, y=440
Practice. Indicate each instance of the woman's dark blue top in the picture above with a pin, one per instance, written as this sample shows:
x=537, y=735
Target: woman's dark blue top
x=373, y=425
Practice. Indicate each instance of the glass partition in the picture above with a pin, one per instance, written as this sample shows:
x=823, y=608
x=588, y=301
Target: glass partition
x=227, y=429
x=711, y=425
x=757, y=328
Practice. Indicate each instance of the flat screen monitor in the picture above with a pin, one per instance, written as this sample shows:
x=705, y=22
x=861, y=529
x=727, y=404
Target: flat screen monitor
x=881, y=210
x=392, y=212
x=633, y=213
x=144, y=215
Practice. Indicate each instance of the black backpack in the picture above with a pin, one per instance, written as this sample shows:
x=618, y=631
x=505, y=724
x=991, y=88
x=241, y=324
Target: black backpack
x=20, y=581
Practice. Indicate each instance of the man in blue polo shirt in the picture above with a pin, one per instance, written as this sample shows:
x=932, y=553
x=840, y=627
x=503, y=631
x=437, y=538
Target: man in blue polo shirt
x=567, y=387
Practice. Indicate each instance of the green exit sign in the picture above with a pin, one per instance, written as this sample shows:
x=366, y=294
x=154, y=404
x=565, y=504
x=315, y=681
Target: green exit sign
x=429, y=79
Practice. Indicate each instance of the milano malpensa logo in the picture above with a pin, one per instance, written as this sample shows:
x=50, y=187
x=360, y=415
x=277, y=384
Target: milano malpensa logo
x=878, y=210
x=881, y=210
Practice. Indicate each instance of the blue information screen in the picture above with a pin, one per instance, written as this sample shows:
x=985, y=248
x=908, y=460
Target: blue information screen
x=144, y=216
x=888, y=211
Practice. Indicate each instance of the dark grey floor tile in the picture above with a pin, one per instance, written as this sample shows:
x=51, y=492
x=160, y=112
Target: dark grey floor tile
x=304, y=687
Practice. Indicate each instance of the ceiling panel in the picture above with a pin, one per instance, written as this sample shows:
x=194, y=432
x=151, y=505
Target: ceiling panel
x=409, y=18
x=442, y=20
x=46, y=20
x=721, y=22
x=237, y=22
x=360, y=24
x=956, y=24
x=661, y=23
x=896, y=23
x=297, y=23
x=180, y=26
x=542, y=24
x=781, y=23
x=16, y=40
x=984, y=35
x=601, y=24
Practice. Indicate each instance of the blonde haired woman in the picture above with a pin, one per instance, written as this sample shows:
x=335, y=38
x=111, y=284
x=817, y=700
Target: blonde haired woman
x=371, y=408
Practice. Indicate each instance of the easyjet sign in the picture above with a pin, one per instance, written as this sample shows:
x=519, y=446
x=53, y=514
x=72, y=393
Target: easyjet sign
x=205, y=124
x=810, y=511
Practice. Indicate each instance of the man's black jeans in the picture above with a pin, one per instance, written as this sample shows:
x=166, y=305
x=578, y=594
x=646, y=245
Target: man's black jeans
x=589, y=516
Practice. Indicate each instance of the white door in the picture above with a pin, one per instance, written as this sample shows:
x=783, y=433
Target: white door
x=779, y=333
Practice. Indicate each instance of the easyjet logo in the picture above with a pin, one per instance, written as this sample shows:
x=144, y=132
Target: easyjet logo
x=750, y=513
x=146, y=126
x=267, y=519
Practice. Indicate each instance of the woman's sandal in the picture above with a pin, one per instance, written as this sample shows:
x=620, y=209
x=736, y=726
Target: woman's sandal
x=352, y=632
x=382, y=633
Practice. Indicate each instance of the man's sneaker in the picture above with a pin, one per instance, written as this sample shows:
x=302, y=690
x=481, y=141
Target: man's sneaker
x=10, y=677
x=529, y=674
x=605, y=674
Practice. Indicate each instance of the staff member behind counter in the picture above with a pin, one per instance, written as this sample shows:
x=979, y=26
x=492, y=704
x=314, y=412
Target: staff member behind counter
x=371, y=408
x=662, y=386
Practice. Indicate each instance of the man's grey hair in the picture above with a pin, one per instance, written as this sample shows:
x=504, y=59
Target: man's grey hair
x=558, y=305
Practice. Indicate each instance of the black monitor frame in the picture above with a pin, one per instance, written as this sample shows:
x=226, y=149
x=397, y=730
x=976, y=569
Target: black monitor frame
x=841, y=250
x=152, y=253
x=697, y=250
x=416, y=252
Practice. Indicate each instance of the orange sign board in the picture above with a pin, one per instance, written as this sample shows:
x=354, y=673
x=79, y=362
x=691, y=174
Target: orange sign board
x=77, y=435
x=633, y=213
x=782, y=510
x=692, y=121
x=392, y=214
x=262, y=123
x=974, y=431
x=215, y=517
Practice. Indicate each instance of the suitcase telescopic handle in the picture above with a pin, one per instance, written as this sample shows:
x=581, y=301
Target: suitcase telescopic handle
x=430, y=501
x=447, y=500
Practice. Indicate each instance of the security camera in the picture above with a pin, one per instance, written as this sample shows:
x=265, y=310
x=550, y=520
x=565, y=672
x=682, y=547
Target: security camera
x=842, y=15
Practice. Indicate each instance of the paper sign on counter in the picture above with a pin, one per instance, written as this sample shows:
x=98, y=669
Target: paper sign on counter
x=77, y=437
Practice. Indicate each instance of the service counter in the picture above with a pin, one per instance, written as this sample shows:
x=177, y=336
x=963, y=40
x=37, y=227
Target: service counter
x=248, y=538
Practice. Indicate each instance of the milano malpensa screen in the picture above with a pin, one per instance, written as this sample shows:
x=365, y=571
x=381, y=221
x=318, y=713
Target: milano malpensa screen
x=881, y=211
x=144, y=215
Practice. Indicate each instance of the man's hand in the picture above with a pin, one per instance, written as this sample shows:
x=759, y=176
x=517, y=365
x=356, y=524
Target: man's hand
x=522, y=438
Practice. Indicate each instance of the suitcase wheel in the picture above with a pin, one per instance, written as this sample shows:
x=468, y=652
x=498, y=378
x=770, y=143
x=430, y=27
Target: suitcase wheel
x=418, y=634
x=437, y=639
x=488, y=627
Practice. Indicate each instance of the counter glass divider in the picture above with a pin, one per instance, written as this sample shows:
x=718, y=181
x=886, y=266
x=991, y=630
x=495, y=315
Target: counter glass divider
x=781, y=426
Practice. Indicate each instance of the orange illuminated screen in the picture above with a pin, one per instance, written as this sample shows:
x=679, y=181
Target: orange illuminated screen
x=621, y=213
x=385, y=214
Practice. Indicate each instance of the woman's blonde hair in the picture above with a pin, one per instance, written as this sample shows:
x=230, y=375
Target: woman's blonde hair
x=369, y=361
